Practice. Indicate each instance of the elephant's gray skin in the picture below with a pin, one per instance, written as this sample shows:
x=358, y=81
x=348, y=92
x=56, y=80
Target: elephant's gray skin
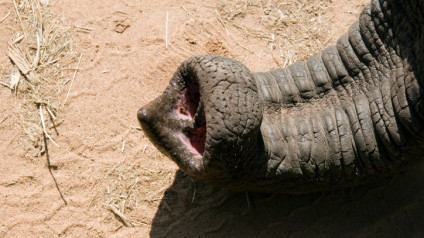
x=350, y=115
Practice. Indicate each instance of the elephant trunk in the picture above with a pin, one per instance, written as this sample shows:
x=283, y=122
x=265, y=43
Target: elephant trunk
x=354, y=111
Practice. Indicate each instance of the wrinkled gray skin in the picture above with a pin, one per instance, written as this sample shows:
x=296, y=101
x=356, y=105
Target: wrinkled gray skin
x=350, y=115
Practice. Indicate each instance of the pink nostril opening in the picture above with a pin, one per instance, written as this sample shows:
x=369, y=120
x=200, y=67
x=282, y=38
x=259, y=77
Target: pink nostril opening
x=189, y=102
x=186, y=109
x=198, y=138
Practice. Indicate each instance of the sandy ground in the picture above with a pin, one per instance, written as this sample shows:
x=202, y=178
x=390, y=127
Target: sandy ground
x=126, y=64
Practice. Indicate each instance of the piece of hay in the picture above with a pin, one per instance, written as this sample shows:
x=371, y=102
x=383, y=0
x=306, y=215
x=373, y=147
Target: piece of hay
x=118, y=214
x=4, y=18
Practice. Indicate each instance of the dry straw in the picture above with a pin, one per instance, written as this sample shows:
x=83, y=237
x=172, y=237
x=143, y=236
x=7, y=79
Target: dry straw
x=39, y=52
x=295, y=29
x=127, y=186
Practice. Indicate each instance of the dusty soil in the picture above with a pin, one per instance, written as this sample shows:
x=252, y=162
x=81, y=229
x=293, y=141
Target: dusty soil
x=102, y=154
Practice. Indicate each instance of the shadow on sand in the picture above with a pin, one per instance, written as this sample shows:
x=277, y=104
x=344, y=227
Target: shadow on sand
x=392, y=208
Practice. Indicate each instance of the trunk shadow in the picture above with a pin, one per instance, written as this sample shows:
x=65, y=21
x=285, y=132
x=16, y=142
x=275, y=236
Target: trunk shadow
x=393, y=207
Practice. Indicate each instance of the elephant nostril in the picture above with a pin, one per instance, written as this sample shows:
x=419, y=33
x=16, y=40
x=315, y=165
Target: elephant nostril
x=189, y=102
x=198, y=138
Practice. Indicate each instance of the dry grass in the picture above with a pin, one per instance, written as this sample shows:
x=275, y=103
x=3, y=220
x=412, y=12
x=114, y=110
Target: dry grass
x=39, y=52
x=294, y=29
x=127, y=186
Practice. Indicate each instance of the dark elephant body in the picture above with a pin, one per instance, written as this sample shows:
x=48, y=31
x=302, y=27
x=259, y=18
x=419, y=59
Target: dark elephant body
x=352, y=114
